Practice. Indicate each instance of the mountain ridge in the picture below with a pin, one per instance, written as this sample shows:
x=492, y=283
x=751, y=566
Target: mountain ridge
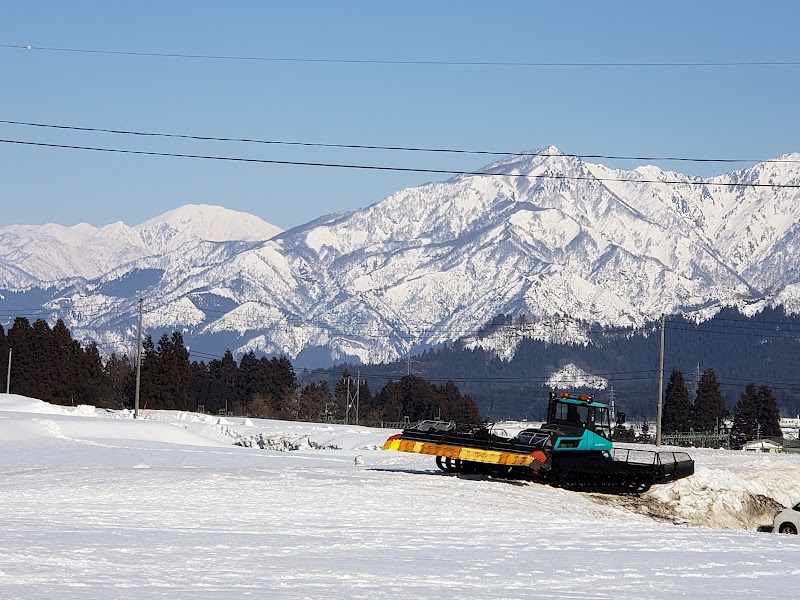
x=547, y=235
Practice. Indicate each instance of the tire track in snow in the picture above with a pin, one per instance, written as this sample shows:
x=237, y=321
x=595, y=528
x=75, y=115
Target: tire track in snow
x=55, y=430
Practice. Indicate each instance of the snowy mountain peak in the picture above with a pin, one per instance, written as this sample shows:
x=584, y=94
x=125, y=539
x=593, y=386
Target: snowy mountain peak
x=174, y=228
x=532, y=161
x=83, y=228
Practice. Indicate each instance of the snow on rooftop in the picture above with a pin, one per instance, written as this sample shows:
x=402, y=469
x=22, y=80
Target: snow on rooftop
x=96, y=504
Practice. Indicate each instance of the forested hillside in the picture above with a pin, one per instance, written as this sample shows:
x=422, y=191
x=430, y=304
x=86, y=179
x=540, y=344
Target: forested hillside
x=762, y=349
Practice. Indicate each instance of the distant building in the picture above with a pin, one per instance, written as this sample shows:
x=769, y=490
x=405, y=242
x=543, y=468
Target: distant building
x=763, y=446
x=790, y=428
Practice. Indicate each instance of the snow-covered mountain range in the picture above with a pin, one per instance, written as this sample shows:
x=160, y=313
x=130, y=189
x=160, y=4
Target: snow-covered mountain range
x=546, y=235
x=34, y=254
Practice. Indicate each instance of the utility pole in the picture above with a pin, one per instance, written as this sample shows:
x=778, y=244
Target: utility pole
x=349, y=404
x=358, y=392
x=612, y=414
x=660, y=384
x=8, y=377
x=138, y=363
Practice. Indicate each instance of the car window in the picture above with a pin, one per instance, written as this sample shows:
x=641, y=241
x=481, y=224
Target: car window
x=796, y=507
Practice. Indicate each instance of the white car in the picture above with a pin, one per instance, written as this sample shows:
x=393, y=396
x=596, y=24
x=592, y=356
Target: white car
x=786, y=521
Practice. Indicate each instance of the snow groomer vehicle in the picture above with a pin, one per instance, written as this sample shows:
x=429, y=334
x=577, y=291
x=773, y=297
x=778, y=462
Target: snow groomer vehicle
x=572, y=449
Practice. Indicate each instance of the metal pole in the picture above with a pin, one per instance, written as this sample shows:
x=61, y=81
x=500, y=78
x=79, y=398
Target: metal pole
x=8, y=377
x=660, y=384
x=138, y=363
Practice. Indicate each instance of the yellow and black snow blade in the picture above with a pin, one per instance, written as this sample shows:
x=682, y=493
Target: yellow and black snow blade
x=534, y=459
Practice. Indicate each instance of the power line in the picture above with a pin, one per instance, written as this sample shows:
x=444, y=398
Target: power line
x=756, y=320
x=690, y=182
x=389, y=147
x=378, y=330
x=401, y=62
x=756, y=333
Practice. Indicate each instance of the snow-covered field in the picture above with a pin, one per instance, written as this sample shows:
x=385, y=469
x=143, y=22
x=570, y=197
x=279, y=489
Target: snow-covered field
x=95, y=504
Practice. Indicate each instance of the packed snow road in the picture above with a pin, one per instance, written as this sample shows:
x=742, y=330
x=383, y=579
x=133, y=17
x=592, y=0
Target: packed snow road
x=97, y=506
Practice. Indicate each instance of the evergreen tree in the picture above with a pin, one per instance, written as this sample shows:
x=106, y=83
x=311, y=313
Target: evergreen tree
x=312, y=402
x=222, y=387
x=281, y=384
x=23, y=362
x=118, y=381
x=51, y=366
x=745, y=413
x=199, y=387
x=709, y=410
x=251, y=378
x=173, y=373
x=420, y=400
x=676, y=413
x=65, y=363
x=365, y=401
x=756, y=414
x=89, y=383
x=458, y=408
x=148, y=376
x=390, y=403
x=162, y=397
x=768, y=416
x=417, y=399
x=3, y=358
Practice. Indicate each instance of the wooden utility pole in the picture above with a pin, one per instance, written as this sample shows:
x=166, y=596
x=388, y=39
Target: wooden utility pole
x=660, y=384
x=138, y=363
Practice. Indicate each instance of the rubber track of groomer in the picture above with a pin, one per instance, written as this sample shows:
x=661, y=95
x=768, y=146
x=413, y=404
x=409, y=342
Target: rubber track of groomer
x=584, y=474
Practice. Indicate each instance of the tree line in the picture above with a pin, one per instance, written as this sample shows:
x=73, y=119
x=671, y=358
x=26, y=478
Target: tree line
x=755, y=415
x=48, y=364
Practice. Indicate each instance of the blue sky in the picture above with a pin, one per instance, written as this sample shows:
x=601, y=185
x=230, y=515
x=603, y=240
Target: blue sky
x=711, y=112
